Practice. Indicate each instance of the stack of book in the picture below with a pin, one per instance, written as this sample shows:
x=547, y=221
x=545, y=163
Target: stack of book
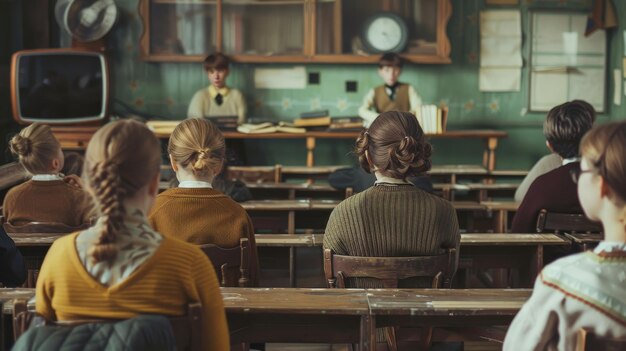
x=432, y=119
x=268, y=127
x=346, y=124
x=225, y=123
x=313, y=119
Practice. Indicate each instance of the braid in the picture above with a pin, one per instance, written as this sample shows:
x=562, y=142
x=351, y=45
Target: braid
x=109, y=193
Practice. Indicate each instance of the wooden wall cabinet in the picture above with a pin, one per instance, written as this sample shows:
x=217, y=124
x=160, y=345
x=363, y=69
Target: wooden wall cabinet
x=271, y=31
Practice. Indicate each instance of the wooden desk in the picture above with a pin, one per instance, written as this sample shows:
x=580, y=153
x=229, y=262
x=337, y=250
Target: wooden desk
x=502, y=210
x=297, y=315
x=443, y=308
x=584, y=241
x=347, y=315
x=524, y=252
x=490, y=138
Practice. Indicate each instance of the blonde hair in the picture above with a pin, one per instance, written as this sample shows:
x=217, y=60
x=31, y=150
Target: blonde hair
x=604, y=147
x=199, y=143
x=36, y=147
x=122, y=157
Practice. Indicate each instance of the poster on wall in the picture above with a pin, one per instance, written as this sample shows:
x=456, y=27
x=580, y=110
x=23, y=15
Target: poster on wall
x=564, y=64
x=500, y=50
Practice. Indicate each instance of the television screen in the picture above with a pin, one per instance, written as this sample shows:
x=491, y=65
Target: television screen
x=59, y=86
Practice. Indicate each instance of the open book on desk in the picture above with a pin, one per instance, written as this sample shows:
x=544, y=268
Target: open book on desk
x=268, y=127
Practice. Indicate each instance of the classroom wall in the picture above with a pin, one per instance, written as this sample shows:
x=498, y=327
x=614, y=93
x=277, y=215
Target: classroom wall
x=163, y=90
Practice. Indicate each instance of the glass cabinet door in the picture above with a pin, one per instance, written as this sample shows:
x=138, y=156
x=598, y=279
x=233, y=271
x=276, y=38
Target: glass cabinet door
x=182, y=28
x=341, y=31
x=263, y=27
x=362, y=28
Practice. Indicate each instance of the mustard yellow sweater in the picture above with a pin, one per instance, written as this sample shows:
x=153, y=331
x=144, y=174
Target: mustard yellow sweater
x=176, y=275
x=47, y=201
x=204, y=216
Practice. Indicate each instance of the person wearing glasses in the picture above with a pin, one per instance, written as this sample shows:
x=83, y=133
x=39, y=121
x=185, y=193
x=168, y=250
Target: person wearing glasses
x=585, y=290
x=564, y=127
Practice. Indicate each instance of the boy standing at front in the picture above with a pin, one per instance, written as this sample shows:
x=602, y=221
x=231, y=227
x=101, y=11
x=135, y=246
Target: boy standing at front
x=391, y=96
x=217, y=99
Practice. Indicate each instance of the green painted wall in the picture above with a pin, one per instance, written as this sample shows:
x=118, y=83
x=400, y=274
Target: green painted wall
x=164, y=89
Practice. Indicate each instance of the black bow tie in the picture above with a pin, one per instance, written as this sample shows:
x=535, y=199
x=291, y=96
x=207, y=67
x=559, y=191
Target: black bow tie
x=219, y=99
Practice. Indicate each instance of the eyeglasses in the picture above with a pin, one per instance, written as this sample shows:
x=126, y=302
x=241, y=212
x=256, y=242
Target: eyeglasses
x=577, y=172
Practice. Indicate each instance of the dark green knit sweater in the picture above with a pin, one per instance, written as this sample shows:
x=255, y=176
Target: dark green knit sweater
x=392, y=221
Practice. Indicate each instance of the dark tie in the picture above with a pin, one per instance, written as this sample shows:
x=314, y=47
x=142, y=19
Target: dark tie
x=219, y=99
x=391, y=90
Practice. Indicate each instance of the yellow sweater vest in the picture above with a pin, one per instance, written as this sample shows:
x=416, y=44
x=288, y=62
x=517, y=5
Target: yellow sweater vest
x=176, y=275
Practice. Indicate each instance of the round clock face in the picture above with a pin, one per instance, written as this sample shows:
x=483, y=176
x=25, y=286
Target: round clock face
x=385, y=32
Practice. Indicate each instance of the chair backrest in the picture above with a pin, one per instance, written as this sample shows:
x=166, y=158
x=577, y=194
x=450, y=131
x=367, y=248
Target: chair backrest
x=42, y=227
x=589, y=341
x=187, y=329
x=390, y=270
x=566, y=222
x=256, y=174
x=228, y=261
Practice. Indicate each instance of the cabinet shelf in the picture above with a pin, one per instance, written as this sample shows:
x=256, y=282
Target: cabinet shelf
x=298, y=31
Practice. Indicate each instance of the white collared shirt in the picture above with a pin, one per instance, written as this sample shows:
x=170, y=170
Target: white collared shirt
x=195, y=184
x=47, y=177
x=570, y=160
x=381, y=179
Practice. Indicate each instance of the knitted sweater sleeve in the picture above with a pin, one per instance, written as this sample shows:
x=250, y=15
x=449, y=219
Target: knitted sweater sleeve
x=336, y=231
x=215, y=334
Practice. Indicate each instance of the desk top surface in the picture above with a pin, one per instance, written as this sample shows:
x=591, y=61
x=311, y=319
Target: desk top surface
x=458, y=302
x=467, y=239
x=352, y=301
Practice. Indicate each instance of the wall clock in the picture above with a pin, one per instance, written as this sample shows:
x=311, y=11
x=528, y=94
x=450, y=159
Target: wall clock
x=385, y=32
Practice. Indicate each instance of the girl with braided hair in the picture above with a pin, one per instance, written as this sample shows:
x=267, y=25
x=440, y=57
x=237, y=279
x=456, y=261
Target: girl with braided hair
x=586, y=290
x=392, y=218
x=195, y=212
x=48, y=196
x=122, y=267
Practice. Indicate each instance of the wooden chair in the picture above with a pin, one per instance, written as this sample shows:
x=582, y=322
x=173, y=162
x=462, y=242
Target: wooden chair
x=566, y=222
x=227, y=261
x=258, y=174
x=391, y=271
x=587, y=340
x=187, y=329
x=33, y=263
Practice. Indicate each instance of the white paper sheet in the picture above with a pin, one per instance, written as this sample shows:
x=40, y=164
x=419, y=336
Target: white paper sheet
x=617, y=94
x=280, y=78
x=499, y=79
x=500, y=50
x=566, y=65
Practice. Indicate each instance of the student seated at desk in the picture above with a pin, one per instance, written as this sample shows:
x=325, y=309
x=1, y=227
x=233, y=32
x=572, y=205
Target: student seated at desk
x=393, y=218
x=564, y=127
x=47, y=196
x=121, y=267
x=586, y=290
x=195, y=212
x=392, y=95
x=549, y=162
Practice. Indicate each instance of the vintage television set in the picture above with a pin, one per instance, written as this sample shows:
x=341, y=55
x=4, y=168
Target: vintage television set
x=59, y=86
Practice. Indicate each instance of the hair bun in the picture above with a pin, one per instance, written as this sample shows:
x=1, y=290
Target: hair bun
x=21, y=146
x=204, y=153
